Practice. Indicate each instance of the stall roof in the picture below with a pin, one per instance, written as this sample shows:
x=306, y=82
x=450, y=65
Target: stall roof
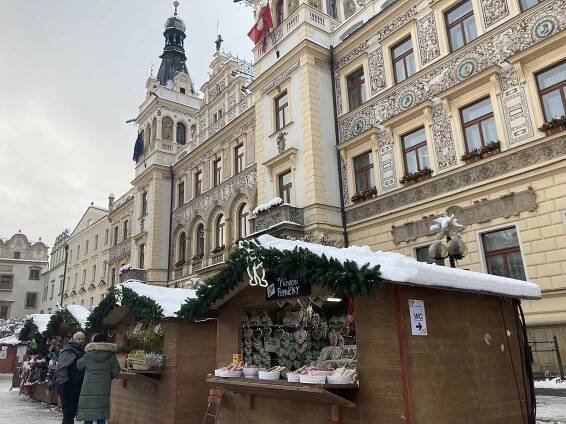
x=10, y=341
x=41, y=320
x=398, y=268
x=169, y=299
x=80, y=313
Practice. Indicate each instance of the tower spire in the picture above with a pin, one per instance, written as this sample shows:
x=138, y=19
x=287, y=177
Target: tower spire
x=173, y=59
x=176, y=5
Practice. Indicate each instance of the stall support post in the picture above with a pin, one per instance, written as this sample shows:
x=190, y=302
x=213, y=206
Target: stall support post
x=403, y=356
x=336, y=414
x=558, y=358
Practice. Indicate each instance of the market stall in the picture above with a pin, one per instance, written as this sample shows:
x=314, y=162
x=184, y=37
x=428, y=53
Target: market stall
x=315, y=334
x=164, y=359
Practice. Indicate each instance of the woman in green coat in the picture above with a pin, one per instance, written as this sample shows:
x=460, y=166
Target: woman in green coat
x=101, y=366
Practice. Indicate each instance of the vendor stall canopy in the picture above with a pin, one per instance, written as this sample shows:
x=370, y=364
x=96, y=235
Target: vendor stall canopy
x=40, y=320
x=170, y=299
x=398, y=268
x=80, y=313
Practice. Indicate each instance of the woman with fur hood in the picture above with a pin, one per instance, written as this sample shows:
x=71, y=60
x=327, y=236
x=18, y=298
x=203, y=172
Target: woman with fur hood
x=101, y=366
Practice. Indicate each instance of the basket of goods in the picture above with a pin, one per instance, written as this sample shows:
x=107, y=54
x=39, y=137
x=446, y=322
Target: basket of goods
x=271, y=374
x=342, y=375
x=313, y=378
x=230, y=371
x=320, y=371
x=293, y=377
x=251, y=371
x=140, y=360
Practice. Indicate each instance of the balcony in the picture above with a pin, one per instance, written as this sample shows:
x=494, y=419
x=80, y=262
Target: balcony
x=278, y=215
x=120, y=250
x=133, y=274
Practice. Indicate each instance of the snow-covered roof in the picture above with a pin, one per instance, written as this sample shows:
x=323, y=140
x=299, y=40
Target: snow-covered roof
x=10, y=341
x=402, y=269
x=169, y=299
x=80, y=313
x=40, y=320
x=276, y=201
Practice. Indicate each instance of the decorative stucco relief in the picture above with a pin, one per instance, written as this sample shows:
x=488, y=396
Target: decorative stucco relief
x=494, y=50
x=338, y=94
x=387, y=172
x=442, y=138
x=280, y=78
x=440, y=185
x=344, y=176
x=518, y=124
x=376, y=70
x=481, y=211
x=427, y=37
x=493, y=11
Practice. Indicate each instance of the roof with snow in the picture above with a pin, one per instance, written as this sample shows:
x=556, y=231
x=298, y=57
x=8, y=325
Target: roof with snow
x=41, y=321
x=402, y=269
x=80, y=313
x=10, y=341
x=170, y=299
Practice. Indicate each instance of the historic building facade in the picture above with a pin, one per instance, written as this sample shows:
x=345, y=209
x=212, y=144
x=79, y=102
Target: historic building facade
x=53, y=278
x=87, y=262
x=21, y=265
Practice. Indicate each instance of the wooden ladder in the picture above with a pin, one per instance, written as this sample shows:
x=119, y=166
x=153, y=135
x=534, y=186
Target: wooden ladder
x=213, y=408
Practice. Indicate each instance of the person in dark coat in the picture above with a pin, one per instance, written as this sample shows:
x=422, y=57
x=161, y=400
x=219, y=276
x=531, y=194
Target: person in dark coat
x=101, y=366
x=69, y=377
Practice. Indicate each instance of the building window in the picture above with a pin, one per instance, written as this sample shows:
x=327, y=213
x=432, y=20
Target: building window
x=238, y=158
x=422, y=255
x=4, y=311
x=82, y=302
x=552, y=91
x=6, y=282
x=527, y=4
x=403, y=60
x=181, y=133
x=125, y=229
x=503, y=253
x=243, y=214
x=198, y=183
x=200, y=240
x=104, y=267
x=478, y=124
x=356, y=84
x=141, y=256
x=116, y=230
x=363, y=172
x=86, y=248
x=31, y=300
x=461, y=25
x=83, y=281
x=76, y=278
x=285, y=186
x=331, y=8
x=113, y=276
x=144, y=204
x=415, y=151
x=34, y=274
x=52, y=291
x=106, y=237
x=95, y=246
x=219, y=232
x=180, y=194
x=182, y=256
x=93, y=274
x=17, y=255
x=182, y=90
x=217, y=172
x=279, y=12
x=91, y=301
x=281, y=110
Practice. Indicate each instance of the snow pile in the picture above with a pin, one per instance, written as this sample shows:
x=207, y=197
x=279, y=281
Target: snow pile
x=80, y=313
x=555, y=383
x=126, y=267
x=10, y=341
x=40, y=320
x=262, y=207
x=169, y=299
x=9, y=327
x=446, y=226
x=402, y=269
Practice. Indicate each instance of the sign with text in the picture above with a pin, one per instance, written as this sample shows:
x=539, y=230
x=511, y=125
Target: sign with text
x=272, y=344
x=283, y=288
x=418, y=317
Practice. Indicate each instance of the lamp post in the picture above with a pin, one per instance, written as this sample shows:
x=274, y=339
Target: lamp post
x=449, y=244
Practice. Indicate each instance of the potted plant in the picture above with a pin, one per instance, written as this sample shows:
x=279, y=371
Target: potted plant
x=490, y=149
x=555, y=125
x=415, y=177
x=364, y=195
x=145, y=349
x=218, y=249
x=197, y=258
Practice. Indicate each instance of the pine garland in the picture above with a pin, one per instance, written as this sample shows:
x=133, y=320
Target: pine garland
x=144, y=308
x=59, y=317
x=343, y=279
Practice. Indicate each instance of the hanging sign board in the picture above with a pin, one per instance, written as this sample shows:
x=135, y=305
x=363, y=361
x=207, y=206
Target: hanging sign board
x=283, y=288
x=272, y=344
x=21, y=352
x=418, y=317
x=3, y=354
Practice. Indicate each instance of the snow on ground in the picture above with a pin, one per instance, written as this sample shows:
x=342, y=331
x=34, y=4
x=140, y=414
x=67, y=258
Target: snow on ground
x=555, y=383
x=551, y=409
x=403, y=269
x=168, y=298
x=80, y=313
x=16, y=409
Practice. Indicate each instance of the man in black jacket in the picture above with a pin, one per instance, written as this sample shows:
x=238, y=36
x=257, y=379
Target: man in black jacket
x=69, y=377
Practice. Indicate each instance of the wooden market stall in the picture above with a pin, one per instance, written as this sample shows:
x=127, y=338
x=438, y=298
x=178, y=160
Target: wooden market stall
x=428, y=344
x=177, y=391
x=12, y=353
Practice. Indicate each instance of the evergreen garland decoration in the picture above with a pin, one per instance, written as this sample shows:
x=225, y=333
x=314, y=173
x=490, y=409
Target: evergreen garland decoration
x=59, y=317
x=343, y=279
x=29, y=331
x=144, y=308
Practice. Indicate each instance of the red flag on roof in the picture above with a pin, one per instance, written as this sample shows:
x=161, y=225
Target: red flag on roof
x=262, y=26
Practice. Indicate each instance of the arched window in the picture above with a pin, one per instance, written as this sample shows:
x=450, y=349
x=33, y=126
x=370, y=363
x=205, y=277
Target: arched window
x=243, y=214
x=153, y=129
x=279, y=12
x=182, y=249
x=331, y=8
x=181, y=133
x=167, y=129
x=199, y=240
x=219, y=232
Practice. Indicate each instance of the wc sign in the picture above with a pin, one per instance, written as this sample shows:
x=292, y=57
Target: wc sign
x=418, y=317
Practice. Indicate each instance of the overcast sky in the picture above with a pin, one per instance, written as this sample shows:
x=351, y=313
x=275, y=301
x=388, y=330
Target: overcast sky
x=71, y=73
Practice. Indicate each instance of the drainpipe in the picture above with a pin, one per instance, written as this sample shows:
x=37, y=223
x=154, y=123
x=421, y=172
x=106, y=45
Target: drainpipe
x=170, y=225
x=64, y=273
x=338, y=159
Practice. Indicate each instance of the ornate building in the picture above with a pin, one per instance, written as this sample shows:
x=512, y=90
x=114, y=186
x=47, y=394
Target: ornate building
x=53, y=278
x=21, y=264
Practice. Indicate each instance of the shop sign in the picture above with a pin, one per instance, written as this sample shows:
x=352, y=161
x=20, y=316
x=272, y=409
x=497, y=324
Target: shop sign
x=283, y=288
x=418, y=317
x=272, y=344
x=3, y=353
